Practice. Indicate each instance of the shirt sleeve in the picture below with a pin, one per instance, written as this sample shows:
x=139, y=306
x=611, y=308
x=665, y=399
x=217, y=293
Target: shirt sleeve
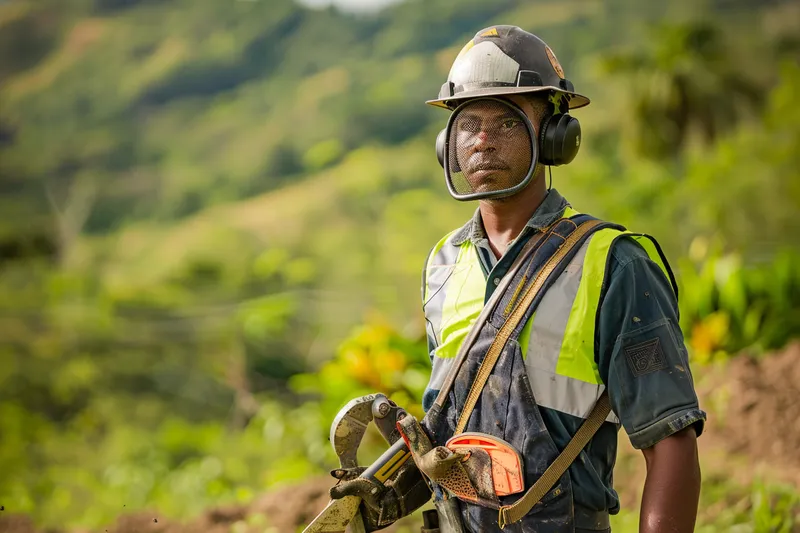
x=641, y=353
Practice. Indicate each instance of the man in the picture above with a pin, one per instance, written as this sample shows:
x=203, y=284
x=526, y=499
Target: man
x=605, y=317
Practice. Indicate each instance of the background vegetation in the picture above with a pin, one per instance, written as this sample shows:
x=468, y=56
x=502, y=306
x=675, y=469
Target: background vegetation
x=213, y=217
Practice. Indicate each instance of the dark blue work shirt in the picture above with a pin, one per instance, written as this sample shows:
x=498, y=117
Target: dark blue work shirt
x=638, y=305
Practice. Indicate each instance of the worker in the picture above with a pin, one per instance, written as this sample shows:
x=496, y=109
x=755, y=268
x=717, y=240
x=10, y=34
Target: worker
x=601, y=320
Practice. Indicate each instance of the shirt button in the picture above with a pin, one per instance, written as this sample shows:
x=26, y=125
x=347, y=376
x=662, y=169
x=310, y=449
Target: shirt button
x=496, y=281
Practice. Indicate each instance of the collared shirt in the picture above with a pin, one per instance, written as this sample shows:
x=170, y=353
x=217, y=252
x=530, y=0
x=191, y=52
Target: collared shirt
x=550, y=210
x=638, y=305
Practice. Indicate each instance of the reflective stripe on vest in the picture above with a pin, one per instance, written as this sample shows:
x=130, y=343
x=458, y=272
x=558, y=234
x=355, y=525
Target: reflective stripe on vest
x=454, y=293
x=441, y=262
x=558, y=343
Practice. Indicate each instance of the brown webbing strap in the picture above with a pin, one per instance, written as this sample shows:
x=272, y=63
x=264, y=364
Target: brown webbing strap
x=493, y=354
x=511, y=513
x=466, y=345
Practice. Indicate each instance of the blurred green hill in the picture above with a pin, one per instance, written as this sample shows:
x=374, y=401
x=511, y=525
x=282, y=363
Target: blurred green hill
x=199, y=201
x=165, y=107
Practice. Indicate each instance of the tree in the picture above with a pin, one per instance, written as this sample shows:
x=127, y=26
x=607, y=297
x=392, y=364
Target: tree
x=683, y=81
x=72, y=212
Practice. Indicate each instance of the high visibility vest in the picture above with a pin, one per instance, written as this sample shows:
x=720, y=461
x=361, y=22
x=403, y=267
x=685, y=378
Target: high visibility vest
x=558, y=341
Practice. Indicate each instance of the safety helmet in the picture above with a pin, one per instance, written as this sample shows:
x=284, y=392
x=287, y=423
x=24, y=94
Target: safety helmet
x=504, y=60
x=489, y=148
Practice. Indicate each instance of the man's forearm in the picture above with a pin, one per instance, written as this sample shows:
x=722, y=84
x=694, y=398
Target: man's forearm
x=672, y=488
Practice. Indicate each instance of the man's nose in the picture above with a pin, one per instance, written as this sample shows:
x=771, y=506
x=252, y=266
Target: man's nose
x=483, y=141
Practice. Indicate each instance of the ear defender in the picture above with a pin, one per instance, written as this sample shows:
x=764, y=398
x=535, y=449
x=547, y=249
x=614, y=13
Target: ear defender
x=441, y=146
x=559, y=140
x=441, y=151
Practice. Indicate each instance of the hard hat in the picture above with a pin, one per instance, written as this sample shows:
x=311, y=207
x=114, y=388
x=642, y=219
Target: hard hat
x=504, y=60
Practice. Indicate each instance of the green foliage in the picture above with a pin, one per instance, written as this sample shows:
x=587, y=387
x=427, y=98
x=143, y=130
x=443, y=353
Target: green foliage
x=742, y=191
x=323, y=154
x=26, y=37
x=179, y=467
x=739, y=191
x=153, y=458
x=776, y=509
x=375, y=358
x=112, y=396
x=200, y=201
x=676, y=87
x=727, y=307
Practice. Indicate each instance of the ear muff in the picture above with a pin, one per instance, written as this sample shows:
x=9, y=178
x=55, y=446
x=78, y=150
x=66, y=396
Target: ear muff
x=559, y=140
x=441, y=151
x=441, y=146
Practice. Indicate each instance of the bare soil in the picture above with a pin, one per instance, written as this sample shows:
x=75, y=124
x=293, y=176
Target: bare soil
x=753, y=406
x=284, y=510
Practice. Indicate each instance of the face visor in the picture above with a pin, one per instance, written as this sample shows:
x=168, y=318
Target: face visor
x=489, y=150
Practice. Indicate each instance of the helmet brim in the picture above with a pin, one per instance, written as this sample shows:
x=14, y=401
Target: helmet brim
x=451, y=102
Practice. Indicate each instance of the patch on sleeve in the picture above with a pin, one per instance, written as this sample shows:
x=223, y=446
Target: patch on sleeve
x=645, y=357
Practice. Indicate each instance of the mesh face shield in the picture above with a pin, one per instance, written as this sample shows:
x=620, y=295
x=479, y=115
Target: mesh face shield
x=490, y=150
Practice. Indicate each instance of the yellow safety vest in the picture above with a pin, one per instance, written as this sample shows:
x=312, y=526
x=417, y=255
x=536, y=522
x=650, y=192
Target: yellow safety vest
x=558, y=341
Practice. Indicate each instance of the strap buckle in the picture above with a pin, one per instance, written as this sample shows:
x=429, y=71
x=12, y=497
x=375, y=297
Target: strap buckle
x=502, y=518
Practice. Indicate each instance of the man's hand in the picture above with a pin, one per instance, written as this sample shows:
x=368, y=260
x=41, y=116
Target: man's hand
x=383, y=504
x=672, y=488
x=352, y=485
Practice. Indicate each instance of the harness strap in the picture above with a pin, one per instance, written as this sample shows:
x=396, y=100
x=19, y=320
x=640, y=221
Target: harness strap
x=488, y=308
x=501, y=339
x=511, y=513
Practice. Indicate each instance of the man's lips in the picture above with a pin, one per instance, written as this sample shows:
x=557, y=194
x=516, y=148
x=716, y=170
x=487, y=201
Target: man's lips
x=487, y=167
x=484, y=176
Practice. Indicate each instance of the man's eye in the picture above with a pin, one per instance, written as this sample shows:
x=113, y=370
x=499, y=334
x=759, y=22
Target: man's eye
x=509, y=123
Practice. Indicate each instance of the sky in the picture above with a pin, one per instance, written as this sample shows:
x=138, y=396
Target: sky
x=351, y=5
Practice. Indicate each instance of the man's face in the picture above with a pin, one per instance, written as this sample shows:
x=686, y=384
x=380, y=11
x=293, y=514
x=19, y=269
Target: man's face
x=493, y=144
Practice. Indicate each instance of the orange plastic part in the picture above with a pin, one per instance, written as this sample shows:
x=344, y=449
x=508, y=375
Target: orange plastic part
x=507, y=473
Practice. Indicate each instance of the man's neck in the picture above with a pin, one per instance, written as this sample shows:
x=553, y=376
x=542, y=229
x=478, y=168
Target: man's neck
x=505, y=219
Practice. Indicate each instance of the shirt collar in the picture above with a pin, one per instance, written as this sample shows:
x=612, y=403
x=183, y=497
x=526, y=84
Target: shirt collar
x=550, y=210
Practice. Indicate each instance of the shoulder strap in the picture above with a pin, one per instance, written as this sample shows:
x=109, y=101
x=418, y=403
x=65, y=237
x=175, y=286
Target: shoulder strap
x=500, y=340
x=514, y=512
x=486, y=312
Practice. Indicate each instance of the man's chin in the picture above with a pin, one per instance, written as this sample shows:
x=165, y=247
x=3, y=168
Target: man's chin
x=504, y=199
x=484, y=186
x=485, y=181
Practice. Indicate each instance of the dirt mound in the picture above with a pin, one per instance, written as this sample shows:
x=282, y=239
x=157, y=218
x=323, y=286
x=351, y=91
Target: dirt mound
x=283, y=510
x=16, y=523
x=278, y=511
x=754, y=408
